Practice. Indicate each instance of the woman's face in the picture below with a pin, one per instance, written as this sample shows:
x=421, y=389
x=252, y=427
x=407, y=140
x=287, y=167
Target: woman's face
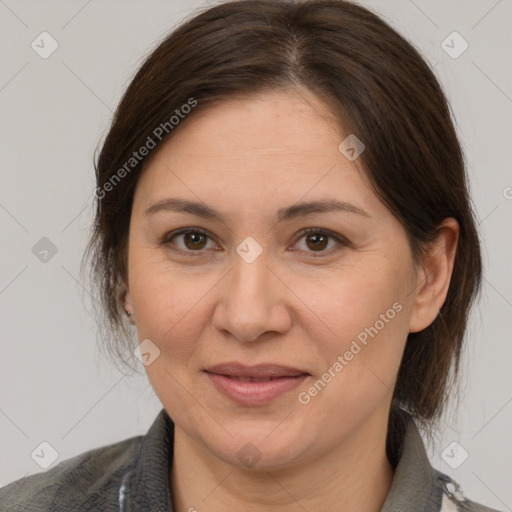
x=325, y=314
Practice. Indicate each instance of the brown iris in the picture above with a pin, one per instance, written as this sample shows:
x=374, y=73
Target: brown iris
x=197, y=240
x=319, y=241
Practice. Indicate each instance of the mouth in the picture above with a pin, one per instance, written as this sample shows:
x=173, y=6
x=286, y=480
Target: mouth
x=254, y=385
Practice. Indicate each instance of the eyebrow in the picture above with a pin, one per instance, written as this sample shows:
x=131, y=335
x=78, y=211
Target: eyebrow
x=284, y=214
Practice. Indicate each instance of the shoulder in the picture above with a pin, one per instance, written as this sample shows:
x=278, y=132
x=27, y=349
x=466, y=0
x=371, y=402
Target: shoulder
x=417, y=485
x=85, y=482
x=453, y=499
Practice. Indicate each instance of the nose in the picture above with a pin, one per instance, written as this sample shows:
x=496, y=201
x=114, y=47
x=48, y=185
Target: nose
x=252, y=302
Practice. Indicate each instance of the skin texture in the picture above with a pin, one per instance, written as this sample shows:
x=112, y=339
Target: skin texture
x=247, y=158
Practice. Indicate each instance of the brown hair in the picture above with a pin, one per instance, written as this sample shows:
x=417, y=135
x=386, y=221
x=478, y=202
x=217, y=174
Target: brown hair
x=379, y=88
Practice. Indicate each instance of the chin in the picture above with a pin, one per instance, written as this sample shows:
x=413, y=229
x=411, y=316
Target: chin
x=259, y=444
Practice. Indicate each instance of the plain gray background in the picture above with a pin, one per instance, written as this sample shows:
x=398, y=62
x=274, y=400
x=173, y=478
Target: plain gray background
x=55, y=386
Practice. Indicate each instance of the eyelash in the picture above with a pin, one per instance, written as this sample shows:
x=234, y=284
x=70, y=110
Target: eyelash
x=168, y=237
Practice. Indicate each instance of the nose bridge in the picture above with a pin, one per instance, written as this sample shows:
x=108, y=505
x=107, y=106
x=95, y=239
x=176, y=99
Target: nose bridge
x=250, y=280
x=249, y=305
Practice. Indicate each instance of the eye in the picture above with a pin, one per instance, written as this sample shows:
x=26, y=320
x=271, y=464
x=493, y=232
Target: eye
x=192, y=240
x=317, y=240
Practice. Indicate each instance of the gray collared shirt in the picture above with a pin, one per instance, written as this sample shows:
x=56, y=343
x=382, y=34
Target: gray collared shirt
x=133, y=476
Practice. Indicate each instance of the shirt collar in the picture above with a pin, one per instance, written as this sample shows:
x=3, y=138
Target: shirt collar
x=414, y=487
x=147, y=485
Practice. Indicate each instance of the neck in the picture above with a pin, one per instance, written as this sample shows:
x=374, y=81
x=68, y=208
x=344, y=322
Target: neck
x=356, y=476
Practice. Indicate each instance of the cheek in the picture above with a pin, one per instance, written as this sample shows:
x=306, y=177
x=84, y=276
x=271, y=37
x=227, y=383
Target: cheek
x=349, y=302
x=361, y=336
x=171, y=314
x=170, y=307
x=367, y=353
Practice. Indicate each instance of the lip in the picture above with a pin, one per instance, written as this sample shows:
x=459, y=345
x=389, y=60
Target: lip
x=259, y=371
x=232, y=380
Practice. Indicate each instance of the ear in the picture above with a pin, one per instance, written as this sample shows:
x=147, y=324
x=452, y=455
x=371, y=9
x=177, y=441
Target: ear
x=433, y=280
x=128, y=302
x=128, y=306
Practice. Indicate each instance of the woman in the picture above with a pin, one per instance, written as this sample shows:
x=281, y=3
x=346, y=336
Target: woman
x=283, y=218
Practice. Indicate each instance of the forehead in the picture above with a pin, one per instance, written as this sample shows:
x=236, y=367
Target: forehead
x=273, y=145
x=268, y=123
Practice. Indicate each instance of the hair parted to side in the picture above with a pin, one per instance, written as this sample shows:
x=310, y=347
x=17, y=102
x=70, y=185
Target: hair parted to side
x=378, y=87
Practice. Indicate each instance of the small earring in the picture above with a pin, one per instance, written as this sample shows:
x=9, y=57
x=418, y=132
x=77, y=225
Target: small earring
x=129, y=313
